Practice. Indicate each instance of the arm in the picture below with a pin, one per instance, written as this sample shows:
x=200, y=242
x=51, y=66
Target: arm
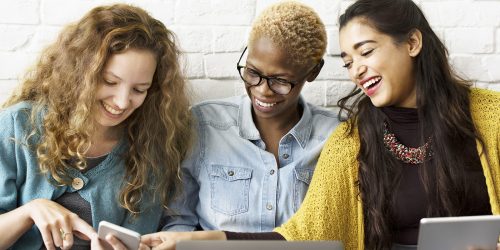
x=181, y=215
x=50, y=218
x=168, y=240
x=14, y=222
x=331, y=209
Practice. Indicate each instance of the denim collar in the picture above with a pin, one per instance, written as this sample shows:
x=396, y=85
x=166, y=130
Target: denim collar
x=301, y=131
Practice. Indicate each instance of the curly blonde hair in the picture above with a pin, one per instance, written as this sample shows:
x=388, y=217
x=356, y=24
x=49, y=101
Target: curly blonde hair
x=294, y=27
x=63, y=84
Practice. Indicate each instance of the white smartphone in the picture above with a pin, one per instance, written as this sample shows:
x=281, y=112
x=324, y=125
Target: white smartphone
x=129, y=238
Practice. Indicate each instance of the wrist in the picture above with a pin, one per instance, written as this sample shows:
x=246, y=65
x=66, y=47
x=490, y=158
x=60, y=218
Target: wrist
x=209, y=235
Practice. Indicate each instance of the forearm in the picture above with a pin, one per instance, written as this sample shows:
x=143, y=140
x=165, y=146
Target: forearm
x=13, y=225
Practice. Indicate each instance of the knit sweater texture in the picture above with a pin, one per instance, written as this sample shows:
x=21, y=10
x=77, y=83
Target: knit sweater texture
x=332, y=209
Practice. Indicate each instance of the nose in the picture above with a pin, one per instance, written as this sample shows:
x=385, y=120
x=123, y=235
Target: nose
x=122, y=98
x=263, y=88
x=360, y=70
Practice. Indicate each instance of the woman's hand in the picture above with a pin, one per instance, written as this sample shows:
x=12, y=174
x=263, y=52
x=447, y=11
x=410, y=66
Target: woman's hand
x=168, y=240
x=57, y=224
x=110, y=242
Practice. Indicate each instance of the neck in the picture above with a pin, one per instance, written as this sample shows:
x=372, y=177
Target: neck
x=279, y=125
x=103, y=140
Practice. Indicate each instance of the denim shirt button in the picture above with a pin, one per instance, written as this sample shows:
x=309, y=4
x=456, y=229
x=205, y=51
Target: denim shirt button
x=285, y=156
x=271, y=172
x=230, y=173
x=269, y=207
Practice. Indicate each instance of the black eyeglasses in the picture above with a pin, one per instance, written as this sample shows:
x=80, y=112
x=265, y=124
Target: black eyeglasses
x=278, y=85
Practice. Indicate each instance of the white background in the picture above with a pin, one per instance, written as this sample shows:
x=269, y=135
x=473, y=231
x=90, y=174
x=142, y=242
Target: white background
x=212, y=33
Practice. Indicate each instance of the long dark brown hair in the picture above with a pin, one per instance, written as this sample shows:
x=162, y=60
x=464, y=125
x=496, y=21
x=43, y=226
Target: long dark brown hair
x=444, y=115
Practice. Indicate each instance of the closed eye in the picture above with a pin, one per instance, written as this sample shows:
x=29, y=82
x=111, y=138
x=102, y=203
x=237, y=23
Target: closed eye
x=283, y=81
x=367, y=52
x=140, y=91
x=347, y=65
x=252, y=72
x=110, y=83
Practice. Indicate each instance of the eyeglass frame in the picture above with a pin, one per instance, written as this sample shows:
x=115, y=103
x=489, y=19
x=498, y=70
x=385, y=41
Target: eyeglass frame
x=268, y=78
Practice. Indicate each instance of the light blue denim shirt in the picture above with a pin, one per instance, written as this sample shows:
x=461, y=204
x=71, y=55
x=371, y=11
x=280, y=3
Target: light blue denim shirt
x=232, y=183
x=21, y=181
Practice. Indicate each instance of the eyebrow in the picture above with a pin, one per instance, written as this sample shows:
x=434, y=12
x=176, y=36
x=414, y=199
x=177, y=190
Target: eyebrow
x=357, y=45
x=113, y=75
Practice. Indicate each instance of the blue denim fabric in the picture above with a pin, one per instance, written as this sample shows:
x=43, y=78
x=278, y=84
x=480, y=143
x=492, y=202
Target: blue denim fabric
x=232, y=183
x=21, y=181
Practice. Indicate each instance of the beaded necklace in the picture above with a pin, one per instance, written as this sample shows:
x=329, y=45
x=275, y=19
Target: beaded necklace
x=404, y=153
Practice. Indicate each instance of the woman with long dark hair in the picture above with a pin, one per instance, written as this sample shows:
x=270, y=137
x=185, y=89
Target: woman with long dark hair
x=418, y=141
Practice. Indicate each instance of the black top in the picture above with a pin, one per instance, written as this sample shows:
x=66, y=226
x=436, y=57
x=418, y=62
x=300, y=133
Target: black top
x=411, y=200
x=76, y=204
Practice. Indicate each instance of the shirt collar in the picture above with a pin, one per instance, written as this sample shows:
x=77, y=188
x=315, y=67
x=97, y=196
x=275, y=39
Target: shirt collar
x=301, y=131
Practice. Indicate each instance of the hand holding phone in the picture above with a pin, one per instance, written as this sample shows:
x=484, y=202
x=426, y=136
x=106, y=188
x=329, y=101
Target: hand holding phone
x=129, y=238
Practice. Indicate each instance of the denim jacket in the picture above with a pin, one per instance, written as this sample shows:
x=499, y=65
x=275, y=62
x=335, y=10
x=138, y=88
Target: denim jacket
x=232, y=183
x=21, y=181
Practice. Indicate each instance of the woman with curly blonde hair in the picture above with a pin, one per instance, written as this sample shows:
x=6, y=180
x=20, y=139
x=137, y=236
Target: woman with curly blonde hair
x=96, y=131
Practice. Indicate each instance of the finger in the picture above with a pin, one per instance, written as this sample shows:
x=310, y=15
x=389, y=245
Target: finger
x=56, y=236
x=82, y=229
x=66, y=236
x=167, y=245
x=144, y=247
x=47, y=237
x=97, y=244
x=151, y=240
x=115, y=243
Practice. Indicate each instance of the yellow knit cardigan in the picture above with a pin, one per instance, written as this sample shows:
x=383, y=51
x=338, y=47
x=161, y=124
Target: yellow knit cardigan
x=332, y=210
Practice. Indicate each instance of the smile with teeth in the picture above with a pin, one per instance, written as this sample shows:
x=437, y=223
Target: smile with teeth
x=264, y=104
x=111, y=109
x=372, y=82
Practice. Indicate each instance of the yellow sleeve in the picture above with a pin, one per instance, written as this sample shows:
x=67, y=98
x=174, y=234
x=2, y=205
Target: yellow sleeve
x=331, y=209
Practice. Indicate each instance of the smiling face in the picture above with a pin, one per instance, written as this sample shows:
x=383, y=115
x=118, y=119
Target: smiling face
x=379, y=66
x=269, y=60
x=126, y=78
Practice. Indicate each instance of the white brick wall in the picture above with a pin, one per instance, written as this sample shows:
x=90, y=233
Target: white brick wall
x=213, y=32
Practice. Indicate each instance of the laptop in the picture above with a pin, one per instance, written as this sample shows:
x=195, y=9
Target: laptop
x=258, y=245
x=450, y=233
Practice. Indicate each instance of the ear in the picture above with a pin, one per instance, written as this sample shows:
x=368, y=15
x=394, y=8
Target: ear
x=414, y=43
x=315, y=71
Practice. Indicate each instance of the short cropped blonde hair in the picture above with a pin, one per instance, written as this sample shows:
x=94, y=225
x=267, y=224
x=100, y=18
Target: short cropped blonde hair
x=294, y=27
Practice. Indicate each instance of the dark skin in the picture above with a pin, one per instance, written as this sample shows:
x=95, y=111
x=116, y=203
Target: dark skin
x=280, y=113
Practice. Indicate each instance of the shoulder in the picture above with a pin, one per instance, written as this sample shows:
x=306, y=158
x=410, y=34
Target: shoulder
x=17, y=109
x=484, y=106
x=482, y=98
x=322, y=111
x=341, y=147
x=15, y=115
x=226, y=109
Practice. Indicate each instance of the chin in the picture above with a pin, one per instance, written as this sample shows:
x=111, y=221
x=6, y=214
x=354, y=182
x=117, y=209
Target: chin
x=378, y=103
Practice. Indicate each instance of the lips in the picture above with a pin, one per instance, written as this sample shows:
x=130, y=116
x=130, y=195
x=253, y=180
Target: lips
x=370, y=85
x=112, y=110
x=264, y=104
x=370, y=82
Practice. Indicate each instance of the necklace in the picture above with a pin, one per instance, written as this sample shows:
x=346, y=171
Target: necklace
x=404, y=153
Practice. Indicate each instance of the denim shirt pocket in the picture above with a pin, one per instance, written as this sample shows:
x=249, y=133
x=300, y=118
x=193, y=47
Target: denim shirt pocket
x=301, y=181
x=229, y=189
